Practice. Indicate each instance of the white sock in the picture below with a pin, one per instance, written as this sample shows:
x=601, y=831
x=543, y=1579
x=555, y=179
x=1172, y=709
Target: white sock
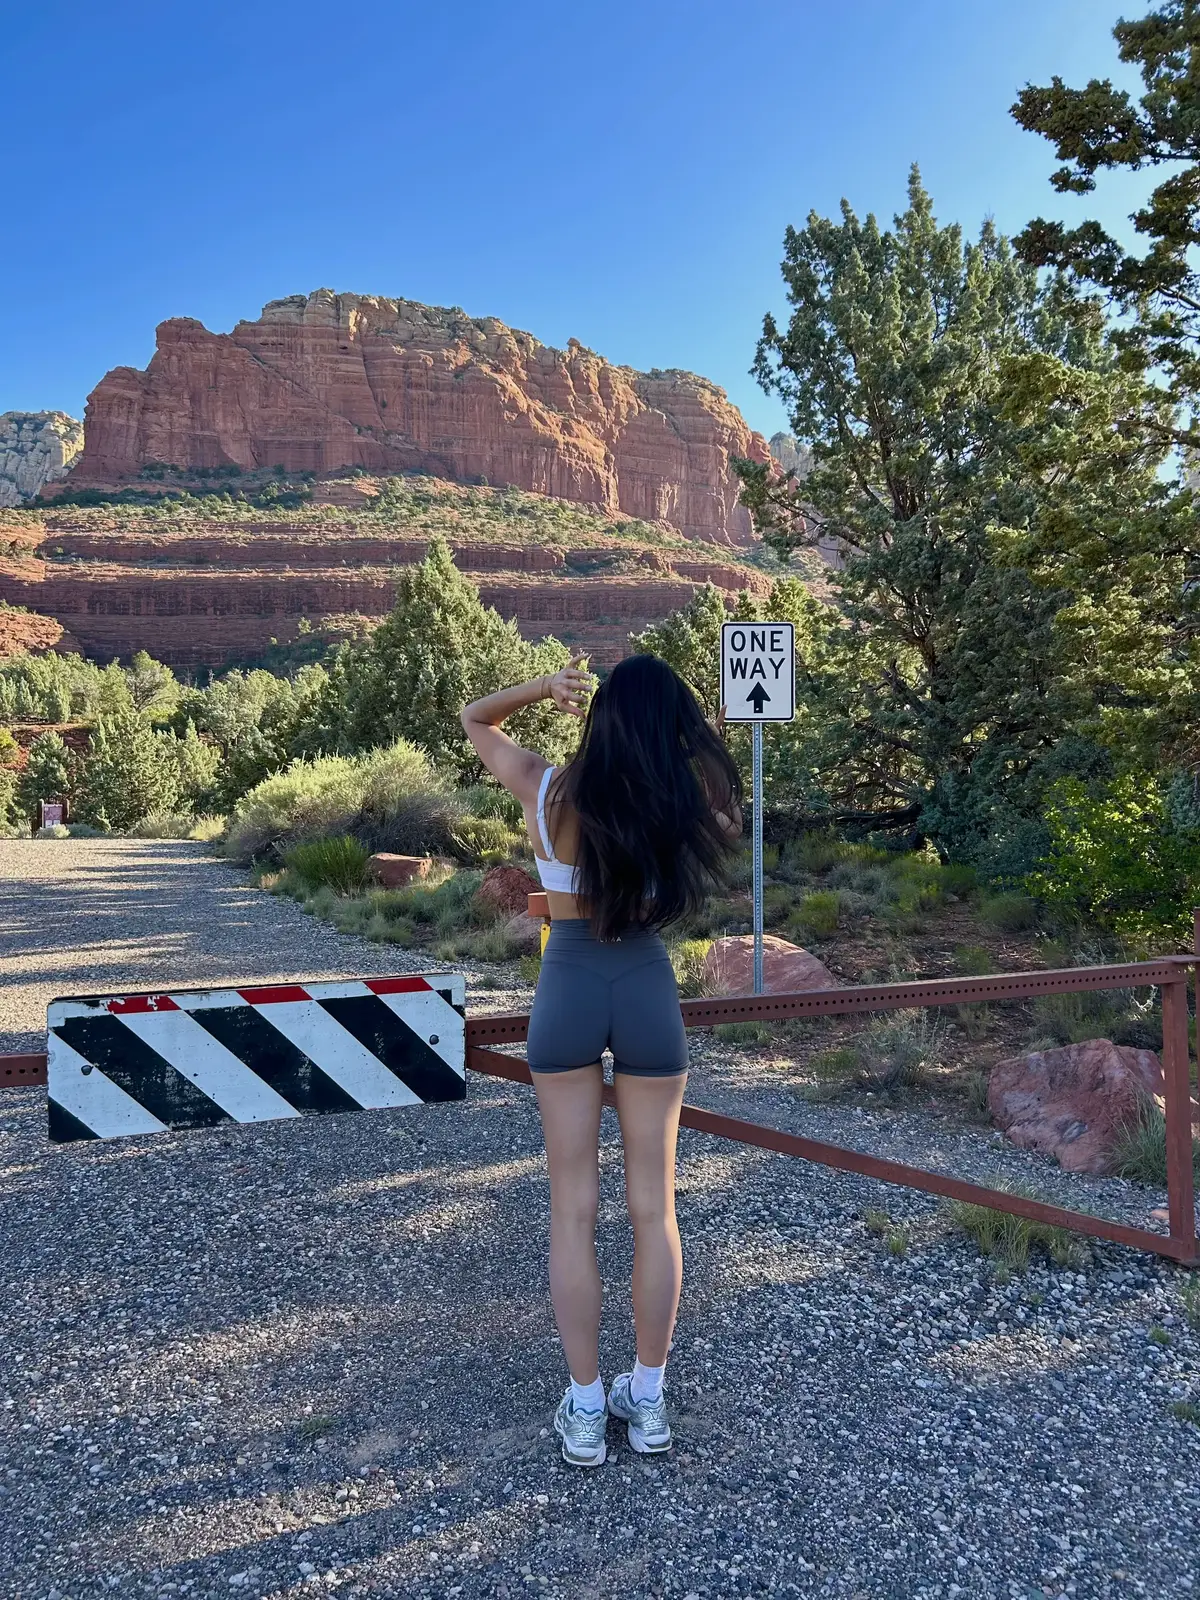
x=588, y=1396
x=647, y=1382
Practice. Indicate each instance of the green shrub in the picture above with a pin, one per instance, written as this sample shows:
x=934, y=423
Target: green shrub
x=207, y=829
x=484, y=839
x=1140, y=1151
x=389, y=799
x=839, y=1062
x=898, y=1049
x=812, y=852
x=778, y=902
x=494, y=944
x=973, y=961
x=817, y=914
x=739, y=872
x=959, y=881
x=1009, y=913
x=489, y=800
x=865, y=878
x=308, y=800
x=918, y=883
x=687, y=957
x=164, y=825
x=407, y=808
x=1127, y=858
x=743, y=1032
x=1010, y=1239
x=339, y=864
x=55, y=830
x=1082, y=1014
x=975, y=1092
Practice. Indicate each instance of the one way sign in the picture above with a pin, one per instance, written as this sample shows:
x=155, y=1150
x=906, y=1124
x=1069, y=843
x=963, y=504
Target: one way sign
x=758, y=671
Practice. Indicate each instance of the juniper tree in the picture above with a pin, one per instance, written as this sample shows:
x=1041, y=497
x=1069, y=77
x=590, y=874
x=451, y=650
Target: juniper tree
x=439, y=648
x=1101, y=128
x=129, y=772
x=48, y=775
x=997, y=519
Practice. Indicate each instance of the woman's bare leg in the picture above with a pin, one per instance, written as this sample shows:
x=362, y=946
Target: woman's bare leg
x=570, y=1105
x=649, y=1112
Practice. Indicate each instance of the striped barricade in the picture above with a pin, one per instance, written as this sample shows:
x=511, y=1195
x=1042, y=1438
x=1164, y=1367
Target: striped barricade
x=193, y=1058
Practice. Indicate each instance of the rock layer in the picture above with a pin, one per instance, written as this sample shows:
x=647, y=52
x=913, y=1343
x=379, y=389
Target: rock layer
x=36, y=448
x=203, y=592
x=327, y=381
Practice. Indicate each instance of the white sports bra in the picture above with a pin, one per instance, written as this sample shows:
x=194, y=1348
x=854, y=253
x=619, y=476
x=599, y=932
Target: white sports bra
x=557, y=876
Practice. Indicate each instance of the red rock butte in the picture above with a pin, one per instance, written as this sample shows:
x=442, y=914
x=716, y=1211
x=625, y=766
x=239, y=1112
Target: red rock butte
x=324, y=382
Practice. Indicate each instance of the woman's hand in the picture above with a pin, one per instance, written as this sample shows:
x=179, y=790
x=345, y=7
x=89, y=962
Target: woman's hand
x=717, y=723
x=569, y=688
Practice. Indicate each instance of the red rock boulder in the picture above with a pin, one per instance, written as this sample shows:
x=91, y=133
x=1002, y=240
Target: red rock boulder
x=1072, y=1102
x=525, y=932
x=394, y=872
x=505, y=891
x=729, y=967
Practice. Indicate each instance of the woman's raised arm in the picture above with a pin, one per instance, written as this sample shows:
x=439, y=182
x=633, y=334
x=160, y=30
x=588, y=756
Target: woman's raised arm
x=518, y=769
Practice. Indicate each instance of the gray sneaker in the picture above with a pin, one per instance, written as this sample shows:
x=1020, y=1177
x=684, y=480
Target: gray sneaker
x=649, y=1430
x=582, y=1434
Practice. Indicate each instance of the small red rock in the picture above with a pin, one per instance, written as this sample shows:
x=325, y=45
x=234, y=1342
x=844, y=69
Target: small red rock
x=729, y=967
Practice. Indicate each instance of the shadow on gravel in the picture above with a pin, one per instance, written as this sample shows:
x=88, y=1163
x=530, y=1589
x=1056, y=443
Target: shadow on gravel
x=330, y=1343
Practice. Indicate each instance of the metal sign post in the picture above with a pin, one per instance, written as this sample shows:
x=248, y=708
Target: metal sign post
x=758, y=684
x=756, y=736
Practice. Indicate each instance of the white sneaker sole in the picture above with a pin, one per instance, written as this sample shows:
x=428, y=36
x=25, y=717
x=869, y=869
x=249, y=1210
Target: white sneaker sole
x=637, y=1439
x=647, y=1447
x=596, y=1460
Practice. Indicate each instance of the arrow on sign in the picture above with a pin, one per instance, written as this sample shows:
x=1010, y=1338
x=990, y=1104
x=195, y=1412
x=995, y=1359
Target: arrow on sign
x=758, y=698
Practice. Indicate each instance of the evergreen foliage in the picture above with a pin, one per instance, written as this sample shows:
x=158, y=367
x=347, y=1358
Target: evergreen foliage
x=1101, y=128
x=129, y=772
x=1009, y=604
x=48, y=775
x=440, y=648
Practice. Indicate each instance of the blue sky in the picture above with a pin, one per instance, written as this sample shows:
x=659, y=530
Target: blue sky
x=620, y=171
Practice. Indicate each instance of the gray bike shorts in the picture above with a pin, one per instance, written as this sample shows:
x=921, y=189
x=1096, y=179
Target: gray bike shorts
x=619, y=995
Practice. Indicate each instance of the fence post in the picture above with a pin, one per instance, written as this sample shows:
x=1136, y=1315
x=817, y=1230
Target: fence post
x=1181, y=1202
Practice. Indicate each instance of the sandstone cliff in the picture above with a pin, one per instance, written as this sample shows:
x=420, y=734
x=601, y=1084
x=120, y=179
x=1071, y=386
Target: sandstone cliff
x=792, y=457
x=326, y=381
x=36, y=448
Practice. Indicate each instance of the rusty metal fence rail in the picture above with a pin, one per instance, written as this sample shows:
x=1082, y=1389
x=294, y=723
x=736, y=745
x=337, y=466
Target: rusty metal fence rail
x=1169, y=975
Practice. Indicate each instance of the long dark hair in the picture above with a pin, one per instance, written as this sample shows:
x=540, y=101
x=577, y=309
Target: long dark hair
x=645, y=781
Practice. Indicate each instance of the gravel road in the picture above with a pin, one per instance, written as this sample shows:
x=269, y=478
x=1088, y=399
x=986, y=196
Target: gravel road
x=290, y=1359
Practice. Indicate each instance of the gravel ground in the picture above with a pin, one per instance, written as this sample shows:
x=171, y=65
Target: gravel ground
x=294, y=1358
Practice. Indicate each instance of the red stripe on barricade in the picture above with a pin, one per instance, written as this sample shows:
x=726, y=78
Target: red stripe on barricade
x=133, y=1004
x=396, y=985
x=274, y=994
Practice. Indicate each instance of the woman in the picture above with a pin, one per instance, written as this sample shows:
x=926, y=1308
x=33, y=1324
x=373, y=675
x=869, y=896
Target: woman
x=628, y=837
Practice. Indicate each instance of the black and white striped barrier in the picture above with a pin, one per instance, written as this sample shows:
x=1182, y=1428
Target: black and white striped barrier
x=144, y=1063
